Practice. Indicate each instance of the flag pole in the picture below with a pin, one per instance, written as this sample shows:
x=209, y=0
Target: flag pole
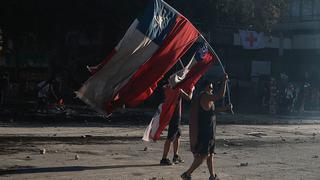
x=181, y=63
x=223, y=69
x=214, y=52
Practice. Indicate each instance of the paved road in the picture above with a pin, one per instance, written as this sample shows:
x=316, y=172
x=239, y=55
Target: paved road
x=117, y=152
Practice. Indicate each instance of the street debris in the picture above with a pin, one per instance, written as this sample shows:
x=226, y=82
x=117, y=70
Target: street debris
x=256, y=134
x=155, y=178
x=235, y=157
x=43, y=151
x=86, y=136
x=232, y=143
x=236, y=144
x=244, y=164
x=282, y=139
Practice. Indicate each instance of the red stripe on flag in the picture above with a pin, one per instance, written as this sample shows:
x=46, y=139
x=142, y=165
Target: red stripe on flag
x=171, y=100
x=143, y=83
x=196, y=72
x=193, y=76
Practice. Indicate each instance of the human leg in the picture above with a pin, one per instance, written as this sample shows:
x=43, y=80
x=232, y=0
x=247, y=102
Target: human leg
x=46, y=105
x=176, y=144
x=176, y=158
x=41, y=105
x=198, y=159
x=173, y=136
x=166, y=148
x=210, y=164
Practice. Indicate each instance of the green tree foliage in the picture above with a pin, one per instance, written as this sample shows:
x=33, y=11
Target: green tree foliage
x=260, y=14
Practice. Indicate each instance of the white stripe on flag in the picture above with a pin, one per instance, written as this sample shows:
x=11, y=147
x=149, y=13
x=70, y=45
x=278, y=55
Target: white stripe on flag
x=179, y=76
x=132, y=51
x=153, y=126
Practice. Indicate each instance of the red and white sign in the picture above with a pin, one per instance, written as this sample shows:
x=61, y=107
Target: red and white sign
x=252, y=39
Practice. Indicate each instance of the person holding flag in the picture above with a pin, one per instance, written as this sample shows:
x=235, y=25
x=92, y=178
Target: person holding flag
x=174, y=131
x=203, y=128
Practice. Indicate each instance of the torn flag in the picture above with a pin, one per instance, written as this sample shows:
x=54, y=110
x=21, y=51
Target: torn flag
x=150, y=47
x=204, y=59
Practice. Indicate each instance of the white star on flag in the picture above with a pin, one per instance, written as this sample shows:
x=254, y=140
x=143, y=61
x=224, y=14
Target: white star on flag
x=159, y=19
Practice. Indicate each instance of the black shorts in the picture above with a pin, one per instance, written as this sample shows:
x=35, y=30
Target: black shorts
x=205, y=147
x=174, y=130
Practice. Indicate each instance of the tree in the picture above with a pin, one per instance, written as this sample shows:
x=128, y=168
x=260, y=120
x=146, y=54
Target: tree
x=261, y=14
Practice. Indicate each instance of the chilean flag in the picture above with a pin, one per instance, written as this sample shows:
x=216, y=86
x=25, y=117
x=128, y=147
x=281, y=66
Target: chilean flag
x=202, y=61
x=150, y=47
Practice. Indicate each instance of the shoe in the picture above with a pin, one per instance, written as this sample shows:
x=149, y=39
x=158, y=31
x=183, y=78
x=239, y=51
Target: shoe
x=166, y=162
x=177, y=159
x=215, y=177
x=184, y=176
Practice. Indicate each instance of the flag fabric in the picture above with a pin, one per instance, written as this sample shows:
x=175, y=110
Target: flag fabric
x=252, y=39
x=203, y=59
x=178, y=76
x=163, y=116
x=150, y=47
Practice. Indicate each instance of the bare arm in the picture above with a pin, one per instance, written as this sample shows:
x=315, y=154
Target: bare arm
x=222, y=91
x=224, y=108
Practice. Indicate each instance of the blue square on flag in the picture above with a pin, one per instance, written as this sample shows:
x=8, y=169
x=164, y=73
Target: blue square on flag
x=202, y=53
x=157, y=21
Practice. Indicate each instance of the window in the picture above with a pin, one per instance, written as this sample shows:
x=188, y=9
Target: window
x=316, y=8
x=306, y=10
x=295, y=8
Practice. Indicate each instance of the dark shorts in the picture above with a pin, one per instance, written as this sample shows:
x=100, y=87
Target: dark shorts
x=205, y=147
x=174, y=130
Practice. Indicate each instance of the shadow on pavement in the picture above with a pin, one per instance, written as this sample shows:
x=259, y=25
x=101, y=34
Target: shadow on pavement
x=70, y=168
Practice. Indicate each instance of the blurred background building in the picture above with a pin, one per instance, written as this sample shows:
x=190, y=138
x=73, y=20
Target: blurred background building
x=43, y=39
